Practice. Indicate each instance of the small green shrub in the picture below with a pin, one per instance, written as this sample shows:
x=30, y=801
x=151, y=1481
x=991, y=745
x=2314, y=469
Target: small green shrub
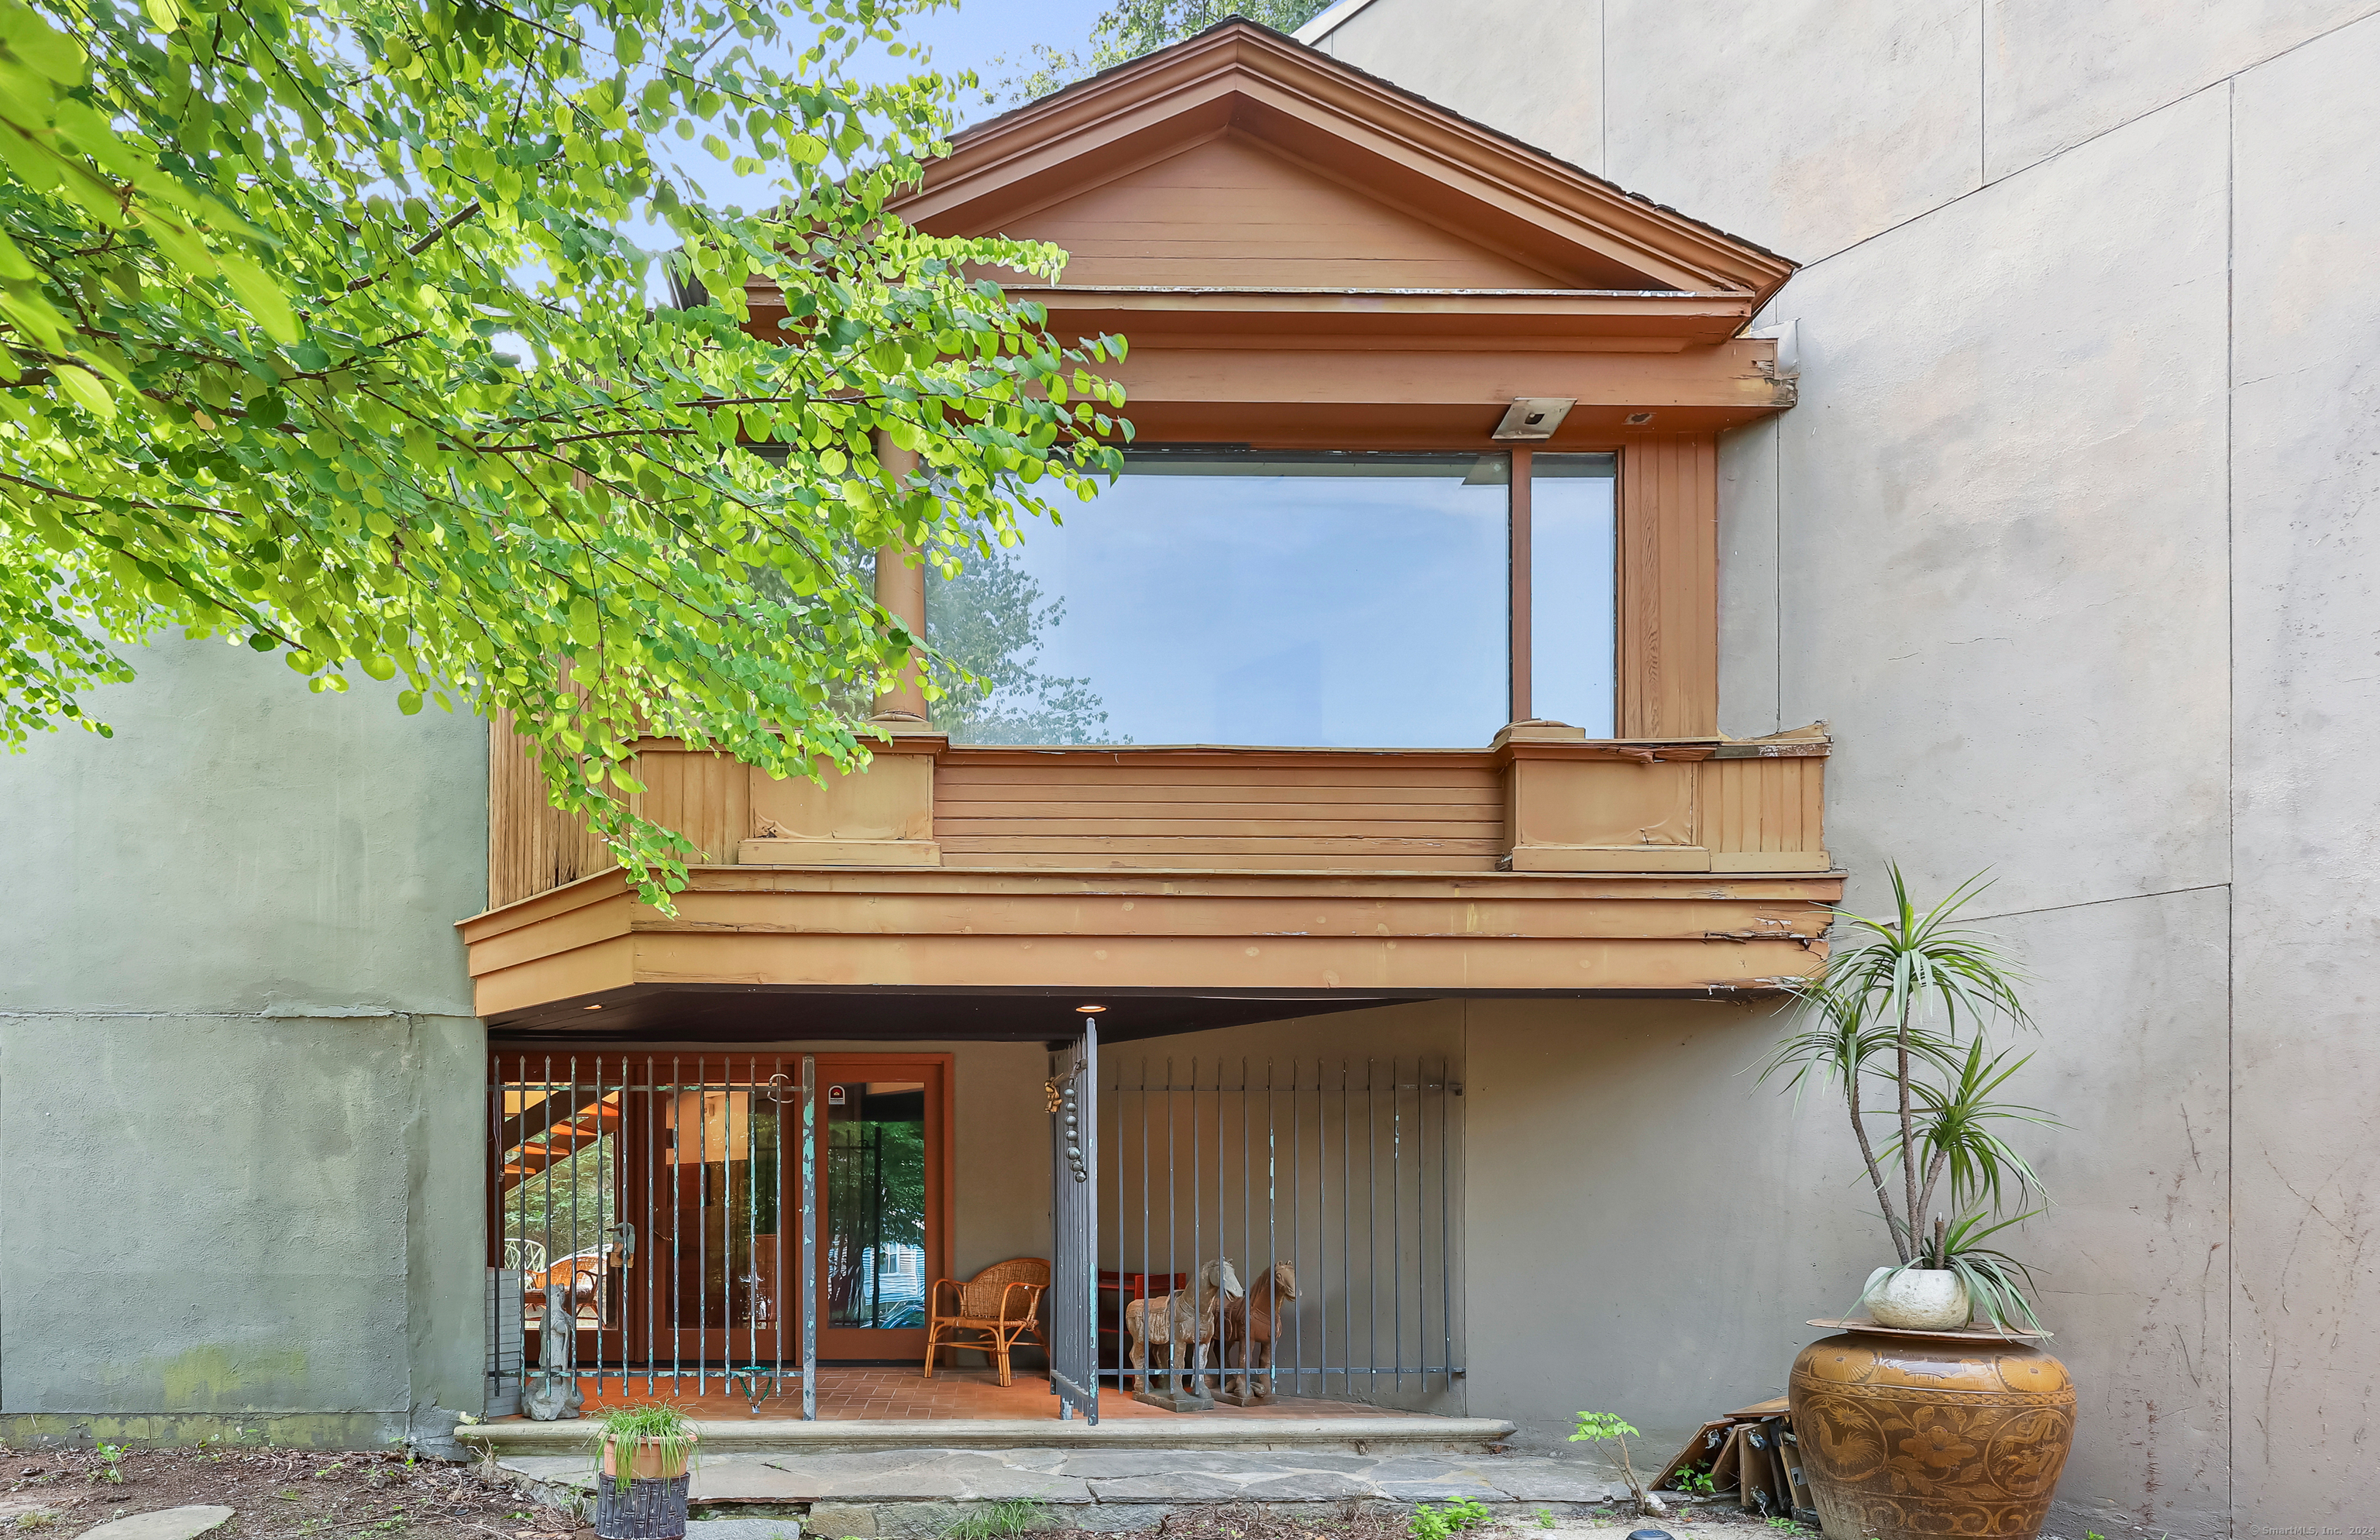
x=110, y=1468
x=1595, y=1428
x=1545, y=1518
x=1442, y=1521
x=999, y=1520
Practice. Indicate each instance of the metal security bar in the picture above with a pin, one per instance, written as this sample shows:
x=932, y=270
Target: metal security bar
x=1325, y=1185
x=1075, y=1215
x=640, y=1210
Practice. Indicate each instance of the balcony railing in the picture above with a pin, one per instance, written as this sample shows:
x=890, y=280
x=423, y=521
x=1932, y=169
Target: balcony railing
x=1541, y=800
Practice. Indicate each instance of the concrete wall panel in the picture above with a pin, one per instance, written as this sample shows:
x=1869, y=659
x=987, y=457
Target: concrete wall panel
x=446, y=1072
x=1755, y=125
x=2306, y=500
x=2059, y=72
x=205, y=1214
x=242, y=845
x=1500, y=61
x=2004, y=527
x=2132, y=1250
x=1750, y=534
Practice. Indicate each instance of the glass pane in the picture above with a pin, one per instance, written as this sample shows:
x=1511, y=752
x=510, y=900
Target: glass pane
x=1237, y=597
x=1573, y=594
x=874, y=1257
x=722, y=1154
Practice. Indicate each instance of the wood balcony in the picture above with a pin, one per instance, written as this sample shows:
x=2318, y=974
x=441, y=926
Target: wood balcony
x=1543, y=864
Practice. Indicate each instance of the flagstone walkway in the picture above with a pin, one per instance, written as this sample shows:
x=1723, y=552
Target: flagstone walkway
x=913, y=1493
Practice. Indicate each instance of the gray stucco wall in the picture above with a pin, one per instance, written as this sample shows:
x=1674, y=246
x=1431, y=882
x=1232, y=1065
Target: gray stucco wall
x=240, y=1086
x=2069, y=539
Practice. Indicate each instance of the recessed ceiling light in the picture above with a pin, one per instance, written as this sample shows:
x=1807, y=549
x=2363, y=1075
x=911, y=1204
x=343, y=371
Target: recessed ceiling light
x=1090, y=1010
x=590, y=1008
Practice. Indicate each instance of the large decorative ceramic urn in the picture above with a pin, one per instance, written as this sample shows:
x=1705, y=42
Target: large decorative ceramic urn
x=1906, y=1433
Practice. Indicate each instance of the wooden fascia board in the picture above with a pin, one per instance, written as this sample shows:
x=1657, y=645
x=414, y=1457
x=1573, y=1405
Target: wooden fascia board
x=978, y=191
x=992, y=930
x=1651, y=317
x=1240, y=67
x=1207, y=756
x=596, y=888
x=1731, y=377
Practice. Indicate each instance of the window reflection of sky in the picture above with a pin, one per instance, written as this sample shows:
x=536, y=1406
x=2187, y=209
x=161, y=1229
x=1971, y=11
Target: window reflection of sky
x=1573, y=631
x=1307, y=609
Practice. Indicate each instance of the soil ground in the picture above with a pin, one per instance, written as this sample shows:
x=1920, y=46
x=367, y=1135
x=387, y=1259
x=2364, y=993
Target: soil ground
x=56, y=1494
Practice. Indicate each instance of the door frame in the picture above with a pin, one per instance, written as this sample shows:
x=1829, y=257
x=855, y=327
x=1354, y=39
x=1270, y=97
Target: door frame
x=938, y=1072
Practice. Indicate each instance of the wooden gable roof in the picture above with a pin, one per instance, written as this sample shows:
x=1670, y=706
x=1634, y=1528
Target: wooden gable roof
x=1242, y=160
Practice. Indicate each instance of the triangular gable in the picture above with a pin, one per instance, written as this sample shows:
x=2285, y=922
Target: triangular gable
x=1227, y=212
x=1242, y=159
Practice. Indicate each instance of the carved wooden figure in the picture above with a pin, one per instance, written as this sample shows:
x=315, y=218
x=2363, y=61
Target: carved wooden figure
x=1173, y=1321
x=1248, y=1328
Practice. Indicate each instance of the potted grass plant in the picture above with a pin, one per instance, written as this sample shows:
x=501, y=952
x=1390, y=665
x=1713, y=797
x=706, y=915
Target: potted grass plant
x=1899, y=1022
x=644, y=1455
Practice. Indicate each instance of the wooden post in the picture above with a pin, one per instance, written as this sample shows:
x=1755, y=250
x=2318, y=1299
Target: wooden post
x=1523, y=646
x=900, y=588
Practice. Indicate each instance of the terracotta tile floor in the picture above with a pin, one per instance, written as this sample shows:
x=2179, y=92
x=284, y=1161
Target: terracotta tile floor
x=850, y=1394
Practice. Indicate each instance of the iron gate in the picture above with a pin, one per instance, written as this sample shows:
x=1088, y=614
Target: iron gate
x=1343, y=1170
x=707, y=1164
x=1073, y=1220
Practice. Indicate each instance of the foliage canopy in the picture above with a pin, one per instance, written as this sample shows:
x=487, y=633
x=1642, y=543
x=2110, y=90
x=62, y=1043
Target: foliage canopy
x=260, y=261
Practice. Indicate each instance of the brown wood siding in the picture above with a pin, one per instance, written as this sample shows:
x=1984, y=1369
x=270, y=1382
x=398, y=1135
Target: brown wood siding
x=1226, y=214
x=1668, y=586
x=1347, y=814
x=1764, y=805
x=531, y=848
x=706, y=797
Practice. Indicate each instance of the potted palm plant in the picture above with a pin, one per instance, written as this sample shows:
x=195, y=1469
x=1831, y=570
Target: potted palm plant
x=1897, y=1020
x=643, y=1458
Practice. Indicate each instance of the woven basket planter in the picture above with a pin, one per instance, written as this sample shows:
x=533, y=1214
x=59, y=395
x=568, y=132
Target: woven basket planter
x=648, y=1510
x=653, y=1505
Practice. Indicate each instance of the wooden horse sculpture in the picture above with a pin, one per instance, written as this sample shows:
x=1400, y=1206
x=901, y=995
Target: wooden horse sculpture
x=1248, y=1326
x=1179, y=1320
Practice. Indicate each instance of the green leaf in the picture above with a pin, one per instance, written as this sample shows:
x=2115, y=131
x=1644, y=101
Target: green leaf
x=84, y=388
x=33, y=40
x=263, y=296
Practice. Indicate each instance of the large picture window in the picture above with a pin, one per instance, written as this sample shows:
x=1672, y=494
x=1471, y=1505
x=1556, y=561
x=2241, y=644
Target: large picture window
x=1216, y=596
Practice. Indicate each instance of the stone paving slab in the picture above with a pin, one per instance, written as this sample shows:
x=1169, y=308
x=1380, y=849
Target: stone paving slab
x=163, y=1523
x=889, y=1493
x=743, y=1529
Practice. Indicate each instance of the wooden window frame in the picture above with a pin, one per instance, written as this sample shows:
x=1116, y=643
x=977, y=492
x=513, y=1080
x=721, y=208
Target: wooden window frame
x=1665, y=586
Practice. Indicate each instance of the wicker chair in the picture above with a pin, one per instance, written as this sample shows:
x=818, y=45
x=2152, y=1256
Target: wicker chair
x=995, y=1309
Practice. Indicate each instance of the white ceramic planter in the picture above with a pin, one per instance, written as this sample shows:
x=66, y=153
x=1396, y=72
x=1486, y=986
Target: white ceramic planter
x=1919, y=1299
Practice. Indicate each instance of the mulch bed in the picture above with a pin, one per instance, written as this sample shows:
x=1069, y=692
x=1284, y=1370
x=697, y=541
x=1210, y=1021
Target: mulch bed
x=275, y=1495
